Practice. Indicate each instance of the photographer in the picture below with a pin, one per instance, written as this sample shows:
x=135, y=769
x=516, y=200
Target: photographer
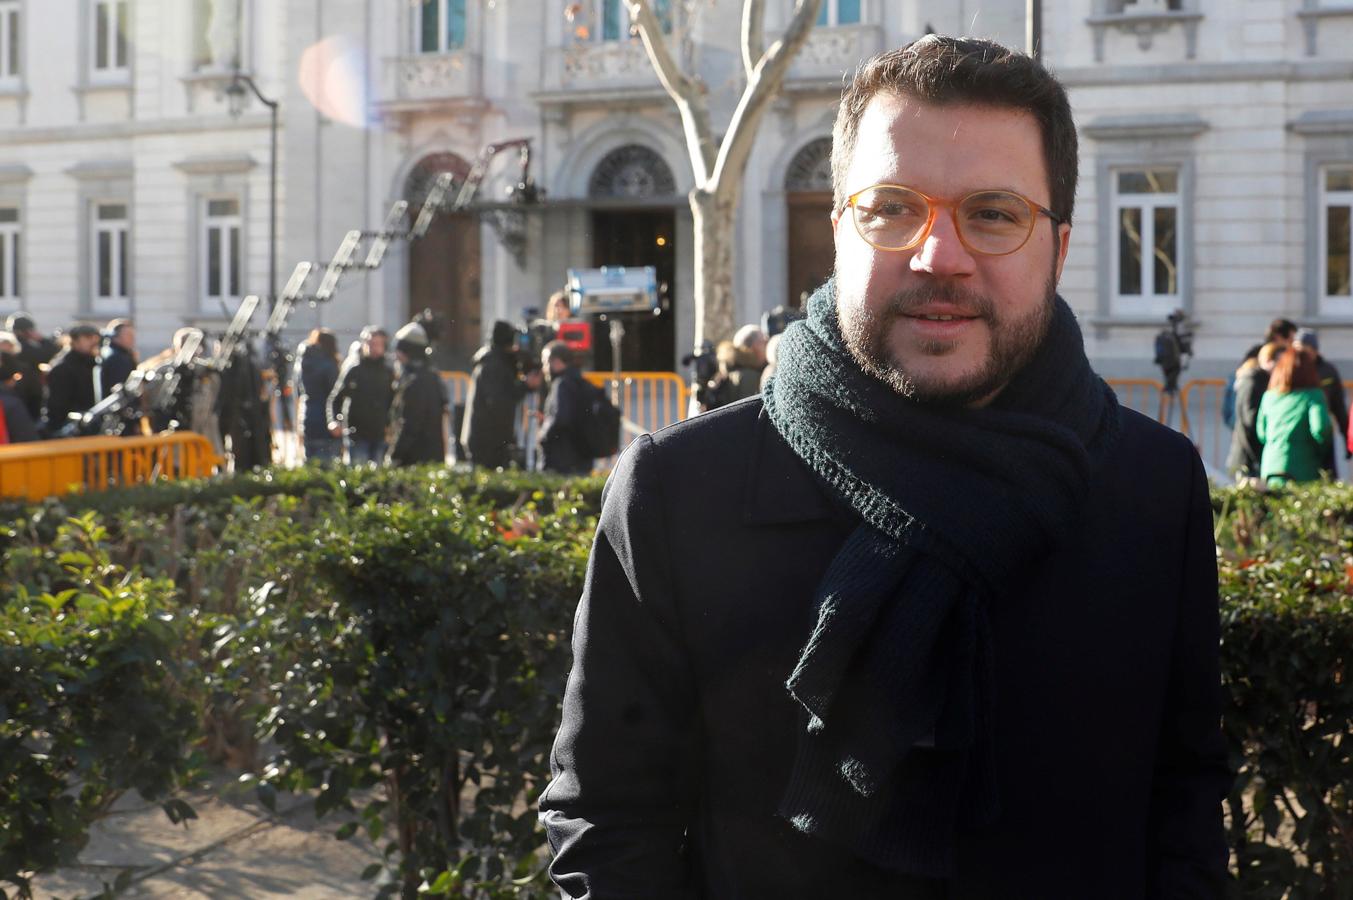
x=496, y=387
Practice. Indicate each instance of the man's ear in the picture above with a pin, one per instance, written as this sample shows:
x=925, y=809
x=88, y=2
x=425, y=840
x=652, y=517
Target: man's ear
x=1063, y=244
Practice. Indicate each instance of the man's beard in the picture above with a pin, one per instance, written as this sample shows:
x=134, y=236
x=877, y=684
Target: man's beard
x=1013, y=343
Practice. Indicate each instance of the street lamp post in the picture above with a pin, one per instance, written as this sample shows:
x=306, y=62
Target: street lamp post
x=236, y=95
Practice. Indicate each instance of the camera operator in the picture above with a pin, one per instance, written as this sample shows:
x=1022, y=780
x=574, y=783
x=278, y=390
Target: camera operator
x=497, y=385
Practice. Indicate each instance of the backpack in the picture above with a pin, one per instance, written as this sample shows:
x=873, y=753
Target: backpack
x=601, y=424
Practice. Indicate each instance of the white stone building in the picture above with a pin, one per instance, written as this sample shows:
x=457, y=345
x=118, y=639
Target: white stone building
x=1217, y=135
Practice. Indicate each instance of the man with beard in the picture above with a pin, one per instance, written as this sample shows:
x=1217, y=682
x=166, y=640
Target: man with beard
x=916, y=624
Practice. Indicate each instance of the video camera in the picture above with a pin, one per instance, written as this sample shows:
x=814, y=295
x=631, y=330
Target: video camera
x=705, y=366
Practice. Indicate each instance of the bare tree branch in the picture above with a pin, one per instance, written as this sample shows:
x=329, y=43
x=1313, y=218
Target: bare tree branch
x=687, y=93
x=762, y=85
x=753, y=34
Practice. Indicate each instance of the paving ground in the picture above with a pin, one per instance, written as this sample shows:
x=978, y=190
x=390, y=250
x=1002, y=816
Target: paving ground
x=234, y=849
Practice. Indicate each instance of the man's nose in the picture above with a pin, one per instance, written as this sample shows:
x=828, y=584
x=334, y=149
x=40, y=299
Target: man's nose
x=942, y=253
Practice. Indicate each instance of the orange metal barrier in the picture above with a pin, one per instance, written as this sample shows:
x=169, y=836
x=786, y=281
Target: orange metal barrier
x=457, y=385
x=1200, y=419
x=44, y=469
x=1140, y=394
x=647, y=401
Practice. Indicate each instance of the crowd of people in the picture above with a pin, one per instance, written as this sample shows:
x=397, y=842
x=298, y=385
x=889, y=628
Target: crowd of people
x=1287, y=410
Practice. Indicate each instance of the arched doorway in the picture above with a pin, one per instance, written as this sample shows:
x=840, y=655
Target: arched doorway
x=634, y=224
x=808, y=194
x=444, y=267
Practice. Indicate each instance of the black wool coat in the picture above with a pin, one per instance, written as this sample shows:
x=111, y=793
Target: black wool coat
x=70, y=389
x=489, y=433
x=678, y=734
x=362, y=396
x=417, y=430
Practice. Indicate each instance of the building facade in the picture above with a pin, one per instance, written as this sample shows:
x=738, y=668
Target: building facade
x=1216, y=159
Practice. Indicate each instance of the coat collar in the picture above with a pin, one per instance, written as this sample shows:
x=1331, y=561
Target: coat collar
x=780, y=488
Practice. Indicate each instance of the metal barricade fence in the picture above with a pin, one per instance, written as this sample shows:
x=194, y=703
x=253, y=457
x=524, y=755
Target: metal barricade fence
x=647, y=401
x=1140, y=394
x=1201, y=419
x=41, y=469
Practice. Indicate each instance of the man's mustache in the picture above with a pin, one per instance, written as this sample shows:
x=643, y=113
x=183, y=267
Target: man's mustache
x=966, y=302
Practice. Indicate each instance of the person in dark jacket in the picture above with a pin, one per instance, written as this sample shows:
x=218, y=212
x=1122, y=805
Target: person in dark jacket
x=118, y=360
x=73, y=383
x=242, y=411
x=917, y=623
x=28, y=382
x=16, y=425
x=561, y=429
x=317, y=373
x=359, y=407
x=488, y=433
x=37, y=349
x=1242, y=461
x=417, y=429
x=1332, y=384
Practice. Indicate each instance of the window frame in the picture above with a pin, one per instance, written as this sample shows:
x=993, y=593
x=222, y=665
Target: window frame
x=11, y=256
x=1330, y=304
x=11, y=47
x=830, y=15
x=1134, y=309
x=596, y=16
x=120, y=256
x=443, y=43
x=200, y=59
x=1150, y=302
x=110, y=74
x=206, y=221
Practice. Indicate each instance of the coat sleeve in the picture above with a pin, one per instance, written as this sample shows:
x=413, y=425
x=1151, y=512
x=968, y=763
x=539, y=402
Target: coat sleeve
x=1261, y=424
x=1318, y=419
x=335, y=408
x=617, y=809
x=1187, y=845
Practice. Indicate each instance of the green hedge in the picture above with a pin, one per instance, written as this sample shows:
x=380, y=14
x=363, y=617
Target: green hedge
x=398, y=642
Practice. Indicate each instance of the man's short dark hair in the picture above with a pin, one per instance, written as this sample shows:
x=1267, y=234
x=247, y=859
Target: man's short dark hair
x=947, y=71
x=1280, y=328
x=115, y=326
x=560, y=351
x=20, y=323
x=82, y=330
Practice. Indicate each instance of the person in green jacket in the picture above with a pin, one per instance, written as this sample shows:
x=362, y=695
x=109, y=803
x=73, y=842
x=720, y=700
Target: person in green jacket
x=1294, y=421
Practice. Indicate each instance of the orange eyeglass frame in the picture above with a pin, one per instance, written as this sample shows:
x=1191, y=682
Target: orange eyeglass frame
x=934, y=203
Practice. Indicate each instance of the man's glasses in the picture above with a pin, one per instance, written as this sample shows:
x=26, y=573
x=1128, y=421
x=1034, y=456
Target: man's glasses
x=992, y=223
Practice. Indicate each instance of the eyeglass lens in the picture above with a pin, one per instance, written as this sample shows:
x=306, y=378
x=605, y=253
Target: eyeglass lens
x=989, y=222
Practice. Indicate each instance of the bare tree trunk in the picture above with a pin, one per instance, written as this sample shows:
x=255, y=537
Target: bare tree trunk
x=715, y=216
x=718, y=166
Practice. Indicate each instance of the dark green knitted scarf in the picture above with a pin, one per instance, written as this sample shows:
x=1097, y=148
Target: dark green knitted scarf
x=897, y=752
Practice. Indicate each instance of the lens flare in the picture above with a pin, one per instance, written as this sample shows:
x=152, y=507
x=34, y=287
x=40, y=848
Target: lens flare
x=333, y=76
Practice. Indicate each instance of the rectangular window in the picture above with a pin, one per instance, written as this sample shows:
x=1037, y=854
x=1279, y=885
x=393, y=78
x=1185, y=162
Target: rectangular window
x=1144, y=7
x=839, y=12
x=10, y=35
x=219, y=27
x=9, y=254
x=1146, y=215
x=441, y=25
x=1336, y=203
x=109, y=37
x=220, y=247
x=109, y=261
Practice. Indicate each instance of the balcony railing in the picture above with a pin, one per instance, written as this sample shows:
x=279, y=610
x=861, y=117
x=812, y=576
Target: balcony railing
x=604, y=65
x=433, y=78
x=833, y=52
